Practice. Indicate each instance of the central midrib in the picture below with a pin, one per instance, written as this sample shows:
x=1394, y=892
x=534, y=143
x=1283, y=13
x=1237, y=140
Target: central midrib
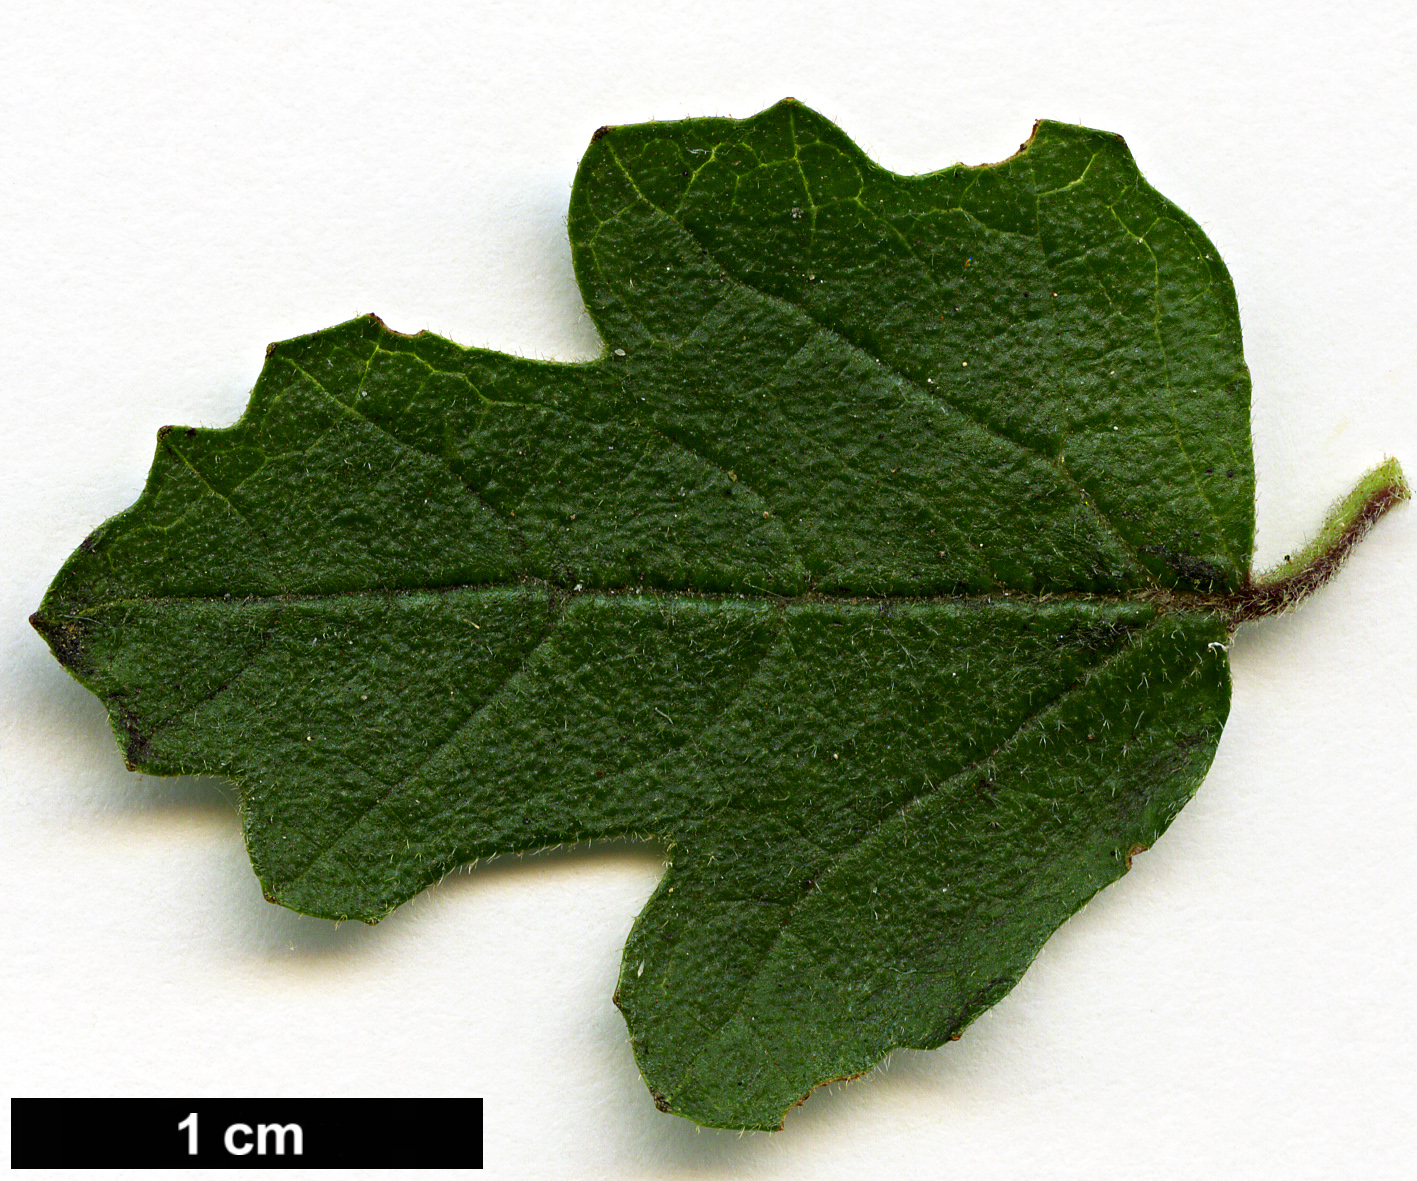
x=1164, y=598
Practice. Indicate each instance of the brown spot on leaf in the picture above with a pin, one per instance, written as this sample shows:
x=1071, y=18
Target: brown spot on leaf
x=137, y=747
x=65, y=638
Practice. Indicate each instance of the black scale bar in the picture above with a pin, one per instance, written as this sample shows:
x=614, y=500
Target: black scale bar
x=246, y=1133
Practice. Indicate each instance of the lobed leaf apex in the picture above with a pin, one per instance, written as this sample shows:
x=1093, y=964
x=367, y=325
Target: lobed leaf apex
x=1042, y=131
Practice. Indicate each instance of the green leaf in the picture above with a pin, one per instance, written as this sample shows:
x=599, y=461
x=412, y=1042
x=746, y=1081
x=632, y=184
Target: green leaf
x=883, y=567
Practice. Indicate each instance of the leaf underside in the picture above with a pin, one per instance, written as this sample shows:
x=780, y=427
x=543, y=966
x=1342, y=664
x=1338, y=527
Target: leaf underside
x=871, y=568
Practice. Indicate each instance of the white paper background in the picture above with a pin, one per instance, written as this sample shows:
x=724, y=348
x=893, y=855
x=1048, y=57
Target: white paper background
x=181, y=185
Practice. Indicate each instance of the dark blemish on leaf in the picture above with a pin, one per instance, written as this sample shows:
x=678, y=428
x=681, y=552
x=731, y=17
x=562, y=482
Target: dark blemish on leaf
x=599, y=132
x=1197, y=571
x=991, y=993
x=137, y=749
x=164, y=431
x=191, y=432
x=1097, y=637
x=87, y=547
x=66, y=640
x=1133, y=851
x=1176, y=757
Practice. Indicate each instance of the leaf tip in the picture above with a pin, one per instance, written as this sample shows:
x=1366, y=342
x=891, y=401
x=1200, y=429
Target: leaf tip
x=377, y=321
x=65, y=638
x=1022, y=148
